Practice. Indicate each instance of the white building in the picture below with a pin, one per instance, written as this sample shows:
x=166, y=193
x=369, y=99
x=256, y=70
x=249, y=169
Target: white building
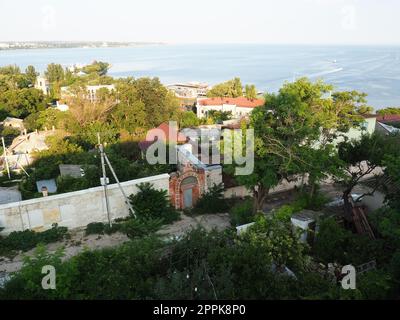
x=239, y=107
x=13, y=123
x=42, y=84
x=92, y=91
x=191, y=90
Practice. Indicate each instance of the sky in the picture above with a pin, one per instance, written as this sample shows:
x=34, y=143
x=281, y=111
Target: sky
x=325, y=22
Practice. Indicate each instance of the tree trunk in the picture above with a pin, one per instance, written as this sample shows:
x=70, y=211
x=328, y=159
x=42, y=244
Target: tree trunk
x=348, y=208
x=260, y=193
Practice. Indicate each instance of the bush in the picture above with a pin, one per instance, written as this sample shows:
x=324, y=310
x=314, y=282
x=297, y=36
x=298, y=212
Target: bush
x=309, y=201
x=331, y=241
x=28, y=239
x=103, y=228
x=138, y=228
x=94, y=228
x=150, y=203
x=285, y=212
x=242, y=213
x=212, y=202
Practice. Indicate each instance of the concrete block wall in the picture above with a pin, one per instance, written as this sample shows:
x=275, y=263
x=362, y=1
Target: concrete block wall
x=74, y=209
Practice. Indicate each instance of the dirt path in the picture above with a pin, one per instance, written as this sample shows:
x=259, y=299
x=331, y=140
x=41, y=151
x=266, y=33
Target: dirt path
x=79, y=241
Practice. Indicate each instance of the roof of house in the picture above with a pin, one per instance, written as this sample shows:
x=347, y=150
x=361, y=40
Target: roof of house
x=240, y=102
x=11, y=119
x=389, y=118
x=167, y=134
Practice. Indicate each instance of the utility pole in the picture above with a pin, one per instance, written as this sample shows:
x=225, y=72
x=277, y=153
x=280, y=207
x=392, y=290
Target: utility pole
x=128, y=204
x=104, y=179
x=5, y=157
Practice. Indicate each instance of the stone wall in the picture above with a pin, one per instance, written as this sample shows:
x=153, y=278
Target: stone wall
x=74, y=209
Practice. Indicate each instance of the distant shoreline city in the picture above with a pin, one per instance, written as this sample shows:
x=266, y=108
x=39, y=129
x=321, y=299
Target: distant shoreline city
x=16, y=45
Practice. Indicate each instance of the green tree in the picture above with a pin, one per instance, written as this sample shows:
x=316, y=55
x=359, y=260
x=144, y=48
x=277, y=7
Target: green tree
x=301, y=118
x=250, y=92
x=98, y=67
x=360, y=158
x=31, y=74
x=188, y=119
x=54, y=73
x=151, y=203
x=388, y=111
x=232, y=89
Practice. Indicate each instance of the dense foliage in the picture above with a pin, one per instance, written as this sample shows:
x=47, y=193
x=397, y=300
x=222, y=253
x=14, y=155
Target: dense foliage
x=150, y=203
x=28, y=239
x=212, y=201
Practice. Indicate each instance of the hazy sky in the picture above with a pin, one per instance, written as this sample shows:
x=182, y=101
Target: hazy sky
x=203, y=21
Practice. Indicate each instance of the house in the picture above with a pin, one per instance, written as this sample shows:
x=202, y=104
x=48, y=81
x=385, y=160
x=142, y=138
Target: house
x=189, y=90
x=192, y=179
x=42, y=84
x=163, y=132
x=239, y=107
x=91, y=91
x=14, y=123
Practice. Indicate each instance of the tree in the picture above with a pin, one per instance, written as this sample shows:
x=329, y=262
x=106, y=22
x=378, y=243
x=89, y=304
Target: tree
x=150, y=203
x=388, y=111
x=54, y=73
x=98, y=67
x=188, y=119
x=86, y=111
x=250, y=92
x=160, y=104
x=10, y=70
x=276, y=237
x=291, y=127
x=22, y=102
x=231, y=89
x=360, y=159
x=219, y=116
x=31, y=74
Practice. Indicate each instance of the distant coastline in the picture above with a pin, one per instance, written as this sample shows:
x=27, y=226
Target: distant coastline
x=17, y=45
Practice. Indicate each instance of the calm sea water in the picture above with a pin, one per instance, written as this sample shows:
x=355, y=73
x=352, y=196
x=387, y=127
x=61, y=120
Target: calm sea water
x=374, y=70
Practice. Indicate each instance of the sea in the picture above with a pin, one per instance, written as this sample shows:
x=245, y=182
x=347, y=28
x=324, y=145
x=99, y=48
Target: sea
x=374, y=70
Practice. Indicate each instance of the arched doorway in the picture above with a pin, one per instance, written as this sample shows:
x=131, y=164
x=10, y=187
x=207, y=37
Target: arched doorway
x=189, y=191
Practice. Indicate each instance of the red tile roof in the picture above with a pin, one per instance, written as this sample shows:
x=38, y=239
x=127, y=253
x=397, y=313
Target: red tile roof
x=389, y=118
x=240, y=102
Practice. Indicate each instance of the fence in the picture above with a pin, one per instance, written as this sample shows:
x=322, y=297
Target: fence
x=74, y=209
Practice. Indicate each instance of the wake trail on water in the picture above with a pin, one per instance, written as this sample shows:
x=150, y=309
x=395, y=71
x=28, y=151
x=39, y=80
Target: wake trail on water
x=319, y=74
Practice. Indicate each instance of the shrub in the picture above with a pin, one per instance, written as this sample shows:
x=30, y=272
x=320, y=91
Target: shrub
x=150, y=203
x=54, y=234
x=309, y=201
x=285, y=212
x=212, y=202
x=242, y=213
x=28, y=239
x=104, y=228
x=115, y=227
x=376, y=285
x=138, y=228
x=331, y=241
x=94, y=228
